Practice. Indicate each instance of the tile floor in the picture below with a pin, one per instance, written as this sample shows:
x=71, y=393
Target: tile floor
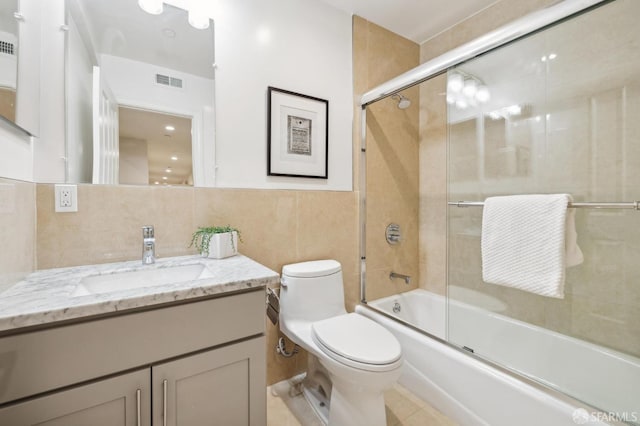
x=403, y=408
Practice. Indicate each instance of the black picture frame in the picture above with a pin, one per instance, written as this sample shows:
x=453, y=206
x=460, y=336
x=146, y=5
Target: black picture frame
x=297, y=135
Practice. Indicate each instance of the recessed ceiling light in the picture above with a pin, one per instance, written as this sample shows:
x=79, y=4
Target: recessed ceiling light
x=164, y=178
x=156, y=183
x=174, y=158
x=169, y=128
x=168, y=170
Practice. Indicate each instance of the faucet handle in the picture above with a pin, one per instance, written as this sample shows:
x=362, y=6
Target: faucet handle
x=147, y=231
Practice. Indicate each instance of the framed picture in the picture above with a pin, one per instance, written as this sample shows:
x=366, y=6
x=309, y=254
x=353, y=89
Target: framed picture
x=297, y=135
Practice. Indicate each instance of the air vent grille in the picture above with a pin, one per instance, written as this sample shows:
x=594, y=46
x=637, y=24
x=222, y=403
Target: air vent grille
x=7, y=47
x=166, y=80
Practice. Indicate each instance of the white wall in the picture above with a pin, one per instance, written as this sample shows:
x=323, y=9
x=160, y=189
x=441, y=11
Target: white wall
x=50, y=149
x=133, y=84
x=299, y=45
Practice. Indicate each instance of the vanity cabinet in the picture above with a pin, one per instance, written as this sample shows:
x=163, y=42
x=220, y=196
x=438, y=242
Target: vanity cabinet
x=190, y=364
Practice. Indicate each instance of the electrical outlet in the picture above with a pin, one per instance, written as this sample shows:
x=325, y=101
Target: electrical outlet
x=66, y=198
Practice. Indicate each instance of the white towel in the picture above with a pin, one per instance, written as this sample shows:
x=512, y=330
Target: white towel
x=528, y=241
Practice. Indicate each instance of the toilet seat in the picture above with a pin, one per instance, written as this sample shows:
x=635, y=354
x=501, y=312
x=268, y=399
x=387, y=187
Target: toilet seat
x=358, y=342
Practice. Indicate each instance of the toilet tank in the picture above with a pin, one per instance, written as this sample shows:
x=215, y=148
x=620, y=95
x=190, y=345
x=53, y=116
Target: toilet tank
x=311, y=291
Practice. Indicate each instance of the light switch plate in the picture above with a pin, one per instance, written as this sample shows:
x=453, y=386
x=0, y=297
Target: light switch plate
x=66, y=198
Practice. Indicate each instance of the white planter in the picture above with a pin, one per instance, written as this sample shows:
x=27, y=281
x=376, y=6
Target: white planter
x=223, y=245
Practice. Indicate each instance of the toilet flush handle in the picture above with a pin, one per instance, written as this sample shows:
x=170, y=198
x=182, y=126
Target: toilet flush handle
x=283, y=282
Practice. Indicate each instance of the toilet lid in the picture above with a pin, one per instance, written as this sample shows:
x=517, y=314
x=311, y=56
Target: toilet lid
x=357, y=338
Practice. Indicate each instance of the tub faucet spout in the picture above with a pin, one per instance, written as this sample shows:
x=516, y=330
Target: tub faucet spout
x=406, y=278
x=148, y=245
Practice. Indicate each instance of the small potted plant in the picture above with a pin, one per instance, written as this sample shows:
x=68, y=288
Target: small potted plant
x=216, y=242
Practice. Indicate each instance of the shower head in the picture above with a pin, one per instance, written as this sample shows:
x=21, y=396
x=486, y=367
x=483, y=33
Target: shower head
x=403, y=103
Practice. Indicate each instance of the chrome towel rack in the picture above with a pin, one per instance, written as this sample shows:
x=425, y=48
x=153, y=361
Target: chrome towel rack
x=630, y=205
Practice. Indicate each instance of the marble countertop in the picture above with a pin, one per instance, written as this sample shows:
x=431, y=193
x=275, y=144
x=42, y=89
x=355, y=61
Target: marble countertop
x=53, y=295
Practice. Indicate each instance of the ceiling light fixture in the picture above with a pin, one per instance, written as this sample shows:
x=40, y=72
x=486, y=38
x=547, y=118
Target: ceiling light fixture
x=174, y=158
x=164, y=178
x=168, y=170
x=465, y=90
x=169, y=128
x=154, y=7
x=197, y=18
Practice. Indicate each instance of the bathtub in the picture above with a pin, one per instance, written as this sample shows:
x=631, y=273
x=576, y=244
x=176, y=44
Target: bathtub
x=472, y=392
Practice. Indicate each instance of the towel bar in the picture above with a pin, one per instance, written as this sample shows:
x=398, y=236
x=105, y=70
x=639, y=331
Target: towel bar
x=635, y=205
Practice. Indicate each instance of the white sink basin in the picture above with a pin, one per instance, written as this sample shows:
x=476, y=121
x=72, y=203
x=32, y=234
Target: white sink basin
x=108, y=283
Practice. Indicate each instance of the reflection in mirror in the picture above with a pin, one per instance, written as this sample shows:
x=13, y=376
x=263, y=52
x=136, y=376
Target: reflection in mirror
x=8, y=59
x=122, y=63
x=155, y=148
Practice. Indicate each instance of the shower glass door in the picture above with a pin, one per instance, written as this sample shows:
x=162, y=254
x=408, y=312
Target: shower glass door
x=556, y=112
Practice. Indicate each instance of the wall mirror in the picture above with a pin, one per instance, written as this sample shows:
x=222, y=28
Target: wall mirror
x=9, y=48
x=139, y=94
x=8, y=59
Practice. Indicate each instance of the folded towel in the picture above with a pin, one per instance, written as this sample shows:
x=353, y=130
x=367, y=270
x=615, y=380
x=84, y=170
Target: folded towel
x=528, y=241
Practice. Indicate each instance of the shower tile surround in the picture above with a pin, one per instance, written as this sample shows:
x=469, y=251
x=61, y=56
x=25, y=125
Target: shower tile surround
x=391, y=158
x=602, y=292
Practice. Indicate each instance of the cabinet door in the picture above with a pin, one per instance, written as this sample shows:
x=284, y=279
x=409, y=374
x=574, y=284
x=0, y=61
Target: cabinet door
x=122, y=400
x=224, y=386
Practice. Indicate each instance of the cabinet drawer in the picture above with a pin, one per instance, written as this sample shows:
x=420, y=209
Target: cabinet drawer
x=44, y=360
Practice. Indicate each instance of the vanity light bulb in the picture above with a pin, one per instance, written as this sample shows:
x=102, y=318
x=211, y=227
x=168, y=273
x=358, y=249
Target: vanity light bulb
x=461, y=103
x=470, y=88
x=455, y=83
x=154, y=7
x=514, y=110
x=483, y=95
x=198, y=20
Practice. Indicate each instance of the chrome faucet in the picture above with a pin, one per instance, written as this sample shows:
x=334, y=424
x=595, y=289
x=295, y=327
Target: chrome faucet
x=148, y=245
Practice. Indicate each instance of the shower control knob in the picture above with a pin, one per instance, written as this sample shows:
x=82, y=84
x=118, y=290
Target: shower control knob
x=392, y=233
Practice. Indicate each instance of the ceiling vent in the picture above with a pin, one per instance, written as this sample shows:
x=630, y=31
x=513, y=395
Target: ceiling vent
x=7, y=48
x=166, y=80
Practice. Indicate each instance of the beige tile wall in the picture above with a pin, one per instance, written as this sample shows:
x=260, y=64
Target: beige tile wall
x=17, y=230
x=278, y=227
x=391, y=157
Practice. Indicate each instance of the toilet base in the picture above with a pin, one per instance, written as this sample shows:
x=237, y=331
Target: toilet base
x=358, y=408
x=318, y=402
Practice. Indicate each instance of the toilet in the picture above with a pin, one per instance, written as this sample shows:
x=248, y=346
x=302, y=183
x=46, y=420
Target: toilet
x=352, y=360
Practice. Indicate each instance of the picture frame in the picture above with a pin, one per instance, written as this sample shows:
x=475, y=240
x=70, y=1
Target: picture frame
x=297, y=135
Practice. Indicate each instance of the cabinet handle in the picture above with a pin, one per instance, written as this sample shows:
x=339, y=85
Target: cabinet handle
x=138, y=393
x=164, y=403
